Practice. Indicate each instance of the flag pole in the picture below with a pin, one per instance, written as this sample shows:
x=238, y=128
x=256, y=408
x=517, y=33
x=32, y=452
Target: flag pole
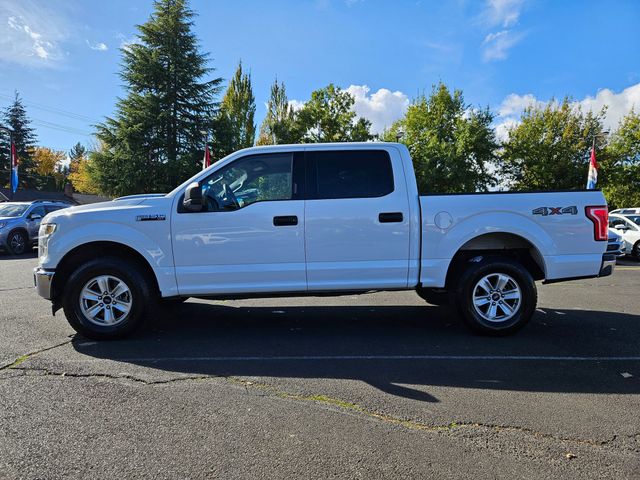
x=10, y=132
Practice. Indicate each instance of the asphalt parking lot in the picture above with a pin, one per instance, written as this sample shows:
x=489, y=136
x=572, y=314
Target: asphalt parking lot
x=373, y=386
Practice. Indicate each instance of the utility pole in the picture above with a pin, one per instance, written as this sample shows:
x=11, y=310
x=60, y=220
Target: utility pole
x=10, y=132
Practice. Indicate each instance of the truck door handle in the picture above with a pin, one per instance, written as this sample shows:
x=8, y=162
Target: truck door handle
x=390, y=217
x=285, y=220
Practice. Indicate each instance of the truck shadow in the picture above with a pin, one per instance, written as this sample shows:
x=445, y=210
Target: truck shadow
x=401, y=350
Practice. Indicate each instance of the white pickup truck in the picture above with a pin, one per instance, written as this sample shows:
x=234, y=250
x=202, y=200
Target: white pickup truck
x=321, y=219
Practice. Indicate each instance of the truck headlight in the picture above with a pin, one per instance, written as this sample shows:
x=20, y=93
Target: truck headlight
x=44, y=234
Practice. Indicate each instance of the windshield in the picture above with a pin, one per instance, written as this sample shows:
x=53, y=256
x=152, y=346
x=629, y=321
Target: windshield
x=634, y=218
x=12, y=210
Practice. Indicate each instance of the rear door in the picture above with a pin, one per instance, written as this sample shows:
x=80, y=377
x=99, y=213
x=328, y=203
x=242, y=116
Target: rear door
x=356, y=220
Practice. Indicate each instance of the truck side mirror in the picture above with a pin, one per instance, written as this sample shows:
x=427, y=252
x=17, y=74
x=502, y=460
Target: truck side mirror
x=193, y=198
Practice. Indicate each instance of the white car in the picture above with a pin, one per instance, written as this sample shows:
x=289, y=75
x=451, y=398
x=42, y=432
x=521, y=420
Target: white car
x=317, y=219
x=628, y=227
x=626, y=211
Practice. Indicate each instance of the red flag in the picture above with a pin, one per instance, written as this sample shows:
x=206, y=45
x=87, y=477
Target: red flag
x=206, y=161
x=592, y=178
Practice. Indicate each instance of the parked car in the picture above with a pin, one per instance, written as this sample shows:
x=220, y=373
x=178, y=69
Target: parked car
x=615, y=244
x=626, y=211
x=628, y=227
x=319, y=219
x=20, y=222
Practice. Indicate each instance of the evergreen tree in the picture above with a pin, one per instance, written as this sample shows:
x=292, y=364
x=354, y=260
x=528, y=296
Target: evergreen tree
x=24, y=138
x=154, y=141
x=76, y=156
x=234, y=128
x=328, y=117
x=551, y=146
x=451, y=144
x=279, y=125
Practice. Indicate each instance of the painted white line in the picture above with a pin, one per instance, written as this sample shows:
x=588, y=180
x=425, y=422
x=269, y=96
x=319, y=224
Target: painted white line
x=383, y=357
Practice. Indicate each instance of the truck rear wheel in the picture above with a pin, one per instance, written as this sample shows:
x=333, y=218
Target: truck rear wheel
x=496, y=295
x=107, y=299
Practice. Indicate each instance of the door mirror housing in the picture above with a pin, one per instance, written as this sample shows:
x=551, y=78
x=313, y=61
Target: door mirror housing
x=621, y=227
x=193, y=198
x=35, y=216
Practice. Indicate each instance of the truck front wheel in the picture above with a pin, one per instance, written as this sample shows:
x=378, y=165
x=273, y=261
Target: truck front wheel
x=496, y=296
x=107, y=299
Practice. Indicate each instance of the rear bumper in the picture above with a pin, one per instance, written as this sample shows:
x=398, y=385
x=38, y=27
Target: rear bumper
x=606, y=269
x=42, y=280
x=608, y=262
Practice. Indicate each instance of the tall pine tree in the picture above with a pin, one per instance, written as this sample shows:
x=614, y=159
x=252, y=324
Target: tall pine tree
x=279, y=125
x=234, y=127
x=24, y=137
x=155, y=139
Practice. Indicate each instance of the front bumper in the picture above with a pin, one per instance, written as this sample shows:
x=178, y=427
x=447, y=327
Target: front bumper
x=42, y=280
x=608, y=262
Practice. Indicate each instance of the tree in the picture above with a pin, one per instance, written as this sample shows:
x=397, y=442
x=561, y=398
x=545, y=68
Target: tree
x=24, y=137
x=76, y=155
x=155, y=140
x=279, y=125
x=328, y=117
x=234, y=128
x=550, y=148
x=620, y=167
x=46, y=160
x=451, y=144
x=84, y=178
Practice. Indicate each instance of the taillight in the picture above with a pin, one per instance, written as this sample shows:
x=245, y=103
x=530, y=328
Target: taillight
x=599, y=215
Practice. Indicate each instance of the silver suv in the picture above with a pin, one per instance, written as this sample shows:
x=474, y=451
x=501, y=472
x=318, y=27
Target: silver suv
x=20, y=221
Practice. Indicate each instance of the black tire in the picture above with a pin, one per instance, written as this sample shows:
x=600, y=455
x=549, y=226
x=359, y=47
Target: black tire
x=434, y=296
x=17, y=242
x=635, y=252
x=490, y=267
x=143, y=298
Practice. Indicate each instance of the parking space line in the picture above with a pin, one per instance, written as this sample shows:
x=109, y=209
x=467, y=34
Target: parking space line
x=384, y=357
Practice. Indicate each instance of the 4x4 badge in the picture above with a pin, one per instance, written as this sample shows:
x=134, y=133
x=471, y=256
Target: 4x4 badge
x=544, y=211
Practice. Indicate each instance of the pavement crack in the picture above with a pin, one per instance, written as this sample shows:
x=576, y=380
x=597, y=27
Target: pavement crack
x=27, y=356
x=14, y=289
x=132, y=378
x=449, y=428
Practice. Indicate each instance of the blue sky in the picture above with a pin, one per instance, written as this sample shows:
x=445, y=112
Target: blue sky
x=63, y=55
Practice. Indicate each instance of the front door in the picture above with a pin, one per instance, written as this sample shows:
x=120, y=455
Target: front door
x=249, y=236
x=357, y=220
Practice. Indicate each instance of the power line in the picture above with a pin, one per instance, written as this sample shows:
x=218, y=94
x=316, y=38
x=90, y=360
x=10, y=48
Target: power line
x=59, y=127
x=56, y=110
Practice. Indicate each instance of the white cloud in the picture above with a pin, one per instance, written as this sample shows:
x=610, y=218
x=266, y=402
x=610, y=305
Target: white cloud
x=504, y=13
x=125, y=42
x=100, y=46
x=30, y=34
x=296, y=104
x=382, y=108
x=497, y=45
x=618, y=105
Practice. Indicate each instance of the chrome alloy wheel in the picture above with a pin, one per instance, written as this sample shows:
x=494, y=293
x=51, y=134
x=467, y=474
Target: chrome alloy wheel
x=105, y=300
x=497, y=297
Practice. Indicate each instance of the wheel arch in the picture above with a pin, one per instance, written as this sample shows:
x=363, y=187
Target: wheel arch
x=503, y=244
x=92, y=250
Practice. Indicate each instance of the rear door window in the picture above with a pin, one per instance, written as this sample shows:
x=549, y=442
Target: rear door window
x=349, y=174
